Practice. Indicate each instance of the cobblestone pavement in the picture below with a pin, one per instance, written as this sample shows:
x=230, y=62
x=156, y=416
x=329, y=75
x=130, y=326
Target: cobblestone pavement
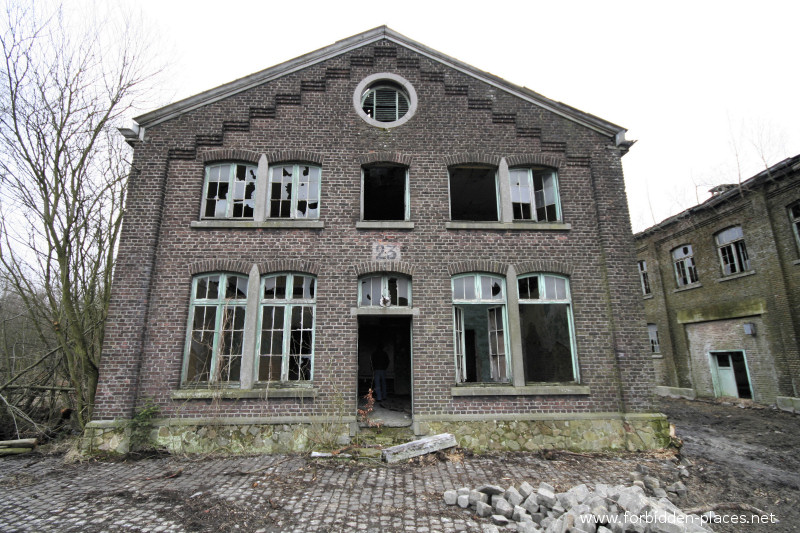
x=274, y=493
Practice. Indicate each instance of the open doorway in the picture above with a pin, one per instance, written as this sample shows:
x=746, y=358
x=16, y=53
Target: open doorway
x=392, y=337
x=729, y=374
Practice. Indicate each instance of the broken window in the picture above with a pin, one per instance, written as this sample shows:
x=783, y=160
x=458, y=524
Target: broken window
x=385, y=291
x=294, y=191
x=548, y=338
x=534, y=194
x=286, y=343
x=652, y=331
x=644, y=278
x=481, y=346
x=732, y=251
x=683, y=262
x=385, y=193
x=794, y=217
x=216, y=329
x=229, y=191
x=473, y=194
x=385, y=101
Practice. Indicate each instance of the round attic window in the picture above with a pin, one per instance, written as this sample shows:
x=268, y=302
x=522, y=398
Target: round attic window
x=385, y=100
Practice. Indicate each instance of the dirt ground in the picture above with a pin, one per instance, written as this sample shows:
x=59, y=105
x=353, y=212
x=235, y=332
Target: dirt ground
x=738, y=454
x=741, y=453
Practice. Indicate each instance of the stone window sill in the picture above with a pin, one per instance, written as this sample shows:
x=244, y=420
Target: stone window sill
x=657, y=356
x=796, y=262
x=647, y=297
x=384, y=311
x=384, y=224
x=688, y=287
x=252, y=224
x=527, y=390
x=261, y=393
x=503, y=226
x=736, y=276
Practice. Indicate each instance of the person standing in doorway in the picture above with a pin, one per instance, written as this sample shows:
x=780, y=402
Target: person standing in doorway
x=380, y=362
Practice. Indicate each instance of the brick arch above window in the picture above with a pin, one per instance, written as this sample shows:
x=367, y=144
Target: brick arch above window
x=295, y=155
x=471, y=158
x=384, y=157
x=527, y=160
x=288, y=265
x=379, y=267
x=477, y=265
x=230, y=154
x=220, y=265
x=544, y=265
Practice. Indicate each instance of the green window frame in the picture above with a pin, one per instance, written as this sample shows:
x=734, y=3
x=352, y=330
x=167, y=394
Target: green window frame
x=386, y=290
x=294, y=191
x=491, y=361
x=229, y=191
x=286, y=328
x=547, y=329
x=534, y=194
x=216, y=329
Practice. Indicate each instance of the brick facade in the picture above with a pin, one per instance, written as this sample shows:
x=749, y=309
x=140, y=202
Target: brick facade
x=702, y=318
x=304, y=111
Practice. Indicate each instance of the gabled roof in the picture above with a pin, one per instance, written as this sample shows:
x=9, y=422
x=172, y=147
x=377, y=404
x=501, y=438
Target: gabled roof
x=362, y=39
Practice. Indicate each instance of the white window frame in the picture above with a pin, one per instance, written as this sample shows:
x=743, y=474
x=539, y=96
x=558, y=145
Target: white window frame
x=526, y=175
x=652, y=332
x=288, y=303
x=458, y=323
x=294, y=214
x=733, y=257
x=684, y=266
x=545, y=297
x=644, y=278
x=384, y=290
x=230, y=200
x=221, y=304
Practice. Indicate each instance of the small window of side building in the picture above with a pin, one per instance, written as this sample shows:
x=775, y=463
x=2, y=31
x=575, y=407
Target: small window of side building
x=480, y=325
x=794, y=218
x=216, y=331
x=652, y=331
x=683, y=262
x=473, y=194
x=294, y=191
x=548, y=338
x=644, y=278
x=384, y=192
x=534, y=194
x=732, y=251
x=229, y=191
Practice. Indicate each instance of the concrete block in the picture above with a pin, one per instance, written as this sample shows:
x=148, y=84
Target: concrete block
x=513, y=496
x=483, y=509
x=463, y=501
x=526, y=489
x=501, y=506
x=450, y=497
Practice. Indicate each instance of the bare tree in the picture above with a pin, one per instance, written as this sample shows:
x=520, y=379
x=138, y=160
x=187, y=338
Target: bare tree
x=66, y=81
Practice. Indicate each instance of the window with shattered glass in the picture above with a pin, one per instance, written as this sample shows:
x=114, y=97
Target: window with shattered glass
x=732, y=251
x=683, y=263
x=230, y=191
x=294, y=191
x=546, y=326
x=385, y=291
x=534, y=194
x=286, y=324
x=479, y=329
x=216, y=329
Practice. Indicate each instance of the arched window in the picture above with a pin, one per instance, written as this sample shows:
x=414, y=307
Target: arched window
x=216, y=329
x=385, y=291
x=732, y=251
x=534, y=194
x=286, y=324
x=683, y=263
x=229, y=191
x=294, y=191
x=548, y=337
x=480, y=325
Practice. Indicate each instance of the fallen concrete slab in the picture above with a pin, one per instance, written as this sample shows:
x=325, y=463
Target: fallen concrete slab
x=419, y=447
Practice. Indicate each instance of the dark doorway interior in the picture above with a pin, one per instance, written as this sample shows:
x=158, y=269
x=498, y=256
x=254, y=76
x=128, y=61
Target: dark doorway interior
x=394, y=335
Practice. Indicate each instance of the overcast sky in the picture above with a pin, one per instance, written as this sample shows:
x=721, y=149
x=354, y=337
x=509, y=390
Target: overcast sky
x=695, y=83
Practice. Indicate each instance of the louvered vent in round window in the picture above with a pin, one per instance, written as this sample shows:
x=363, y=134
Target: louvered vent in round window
x=385, y=100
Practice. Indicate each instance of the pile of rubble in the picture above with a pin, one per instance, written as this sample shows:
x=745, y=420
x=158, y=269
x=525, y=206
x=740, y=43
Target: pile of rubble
x=606, y=509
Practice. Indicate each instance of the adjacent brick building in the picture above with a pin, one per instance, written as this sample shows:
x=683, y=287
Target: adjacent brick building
x=376, y=195
x=721, y=286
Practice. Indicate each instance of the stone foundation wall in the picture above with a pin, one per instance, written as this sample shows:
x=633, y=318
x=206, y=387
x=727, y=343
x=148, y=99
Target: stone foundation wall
x=612, y=432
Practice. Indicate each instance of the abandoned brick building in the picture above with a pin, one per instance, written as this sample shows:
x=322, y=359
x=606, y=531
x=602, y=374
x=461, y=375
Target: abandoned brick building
x=376, y=195
x=721, y=286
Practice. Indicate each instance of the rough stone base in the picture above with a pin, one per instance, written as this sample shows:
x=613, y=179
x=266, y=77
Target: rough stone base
x=675, y=392
x=629, y=432
x=582, y=433
x=787, y=403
